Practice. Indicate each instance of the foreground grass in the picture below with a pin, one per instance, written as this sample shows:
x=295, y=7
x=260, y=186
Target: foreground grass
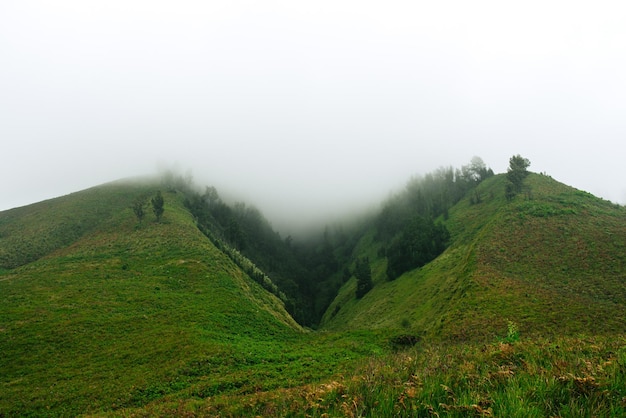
x=566, y=377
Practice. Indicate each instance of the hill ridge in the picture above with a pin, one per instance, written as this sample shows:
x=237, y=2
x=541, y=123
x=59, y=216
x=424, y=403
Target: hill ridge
x=125, y=296
x=486, y=277
x=125, y=317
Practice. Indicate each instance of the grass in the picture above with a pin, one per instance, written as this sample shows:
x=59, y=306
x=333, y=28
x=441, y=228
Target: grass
x=522, y=316
x=31, y=232
x=567, y=377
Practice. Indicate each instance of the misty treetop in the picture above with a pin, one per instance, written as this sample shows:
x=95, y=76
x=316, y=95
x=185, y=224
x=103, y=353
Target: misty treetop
x=406, y=225
x=430, y=196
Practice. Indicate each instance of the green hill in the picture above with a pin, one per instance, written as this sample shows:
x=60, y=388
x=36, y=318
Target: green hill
x=523, y=314
x=552, y=260
x=31, y=232
x=99, y=312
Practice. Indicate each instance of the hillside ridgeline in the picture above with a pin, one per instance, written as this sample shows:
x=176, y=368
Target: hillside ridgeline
x=106, y=312
x=102, y=311
x=551, y=260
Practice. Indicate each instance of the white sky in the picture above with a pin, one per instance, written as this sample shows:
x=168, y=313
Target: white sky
x=310, y=106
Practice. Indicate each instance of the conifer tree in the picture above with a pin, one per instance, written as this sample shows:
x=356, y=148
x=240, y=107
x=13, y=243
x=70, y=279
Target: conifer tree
x=157, y=205
x=363, y=275
x=138, y=208
x=517, y=171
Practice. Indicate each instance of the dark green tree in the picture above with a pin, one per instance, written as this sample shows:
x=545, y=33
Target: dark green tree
x=157, y=205
x=517, y=172
x=421, y=242
x=138, y=208
x=363, y=275
x=235, y=235
x=509, y=191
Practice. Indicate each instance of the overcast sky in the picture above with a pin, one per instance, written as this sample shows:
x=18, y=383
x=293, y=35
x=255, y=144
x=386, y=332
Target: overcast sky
x=308, y=105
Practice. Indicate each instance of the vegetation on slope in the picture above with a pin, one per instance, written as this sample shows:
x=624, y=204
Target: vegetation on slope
x=31, y=232
x=243, y=232
x=551, y=260
x=565, y=376
x=105, y=313
x=130, y=312
x=310, y=272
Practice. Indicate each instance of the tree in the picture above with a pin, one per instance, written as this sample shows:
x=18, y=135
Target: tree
x=509, y=191
x=517, y=171
x=421, y=242
x=138, y=208
x=235, y=235
x=157, y=205
x=363, y=275
x=211, y=196
x=479, y=170
x=518, y=163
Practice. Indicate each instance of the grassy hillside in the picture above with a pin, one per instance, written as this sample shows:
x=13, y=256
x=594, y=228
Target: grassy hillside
x=564, y=377
x=30, y=232
x=522, y=315
x=552, y=261
x=114, y=314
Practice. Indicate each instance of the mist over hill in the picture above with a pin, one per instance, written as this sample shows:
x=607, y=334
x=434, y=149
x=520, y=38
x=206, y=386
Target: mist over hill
x=317, y=240
x=100, y=286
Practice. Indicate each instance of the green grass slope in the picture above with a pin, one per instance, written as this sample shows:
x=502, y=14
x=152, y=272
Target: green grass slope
x=103, y=316
x=555, y=377
x=550, y=262
x=30, y=232
x=103, y=313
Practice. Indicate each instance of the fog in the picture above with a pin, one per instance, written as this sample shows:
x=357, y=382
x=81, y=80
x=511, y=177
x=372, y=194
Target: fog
x=308, y=109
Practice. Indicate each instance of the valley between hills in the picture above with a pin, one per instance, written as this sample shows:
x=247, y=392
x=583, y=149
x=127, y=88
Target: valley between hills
x=468, y=293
